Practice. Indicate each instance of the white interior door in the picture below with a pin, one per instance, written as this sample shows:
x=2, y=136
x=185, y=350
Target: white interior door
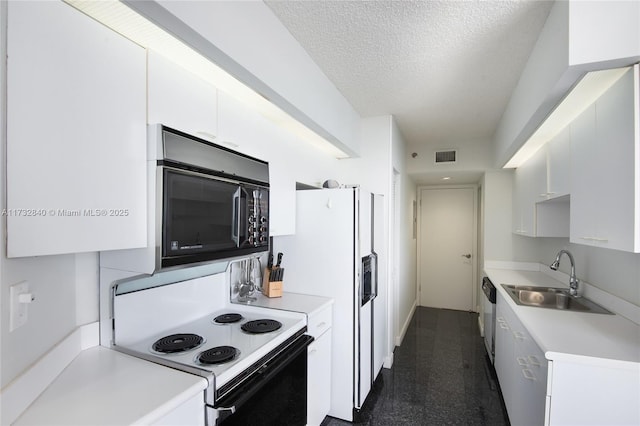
x=447, y=242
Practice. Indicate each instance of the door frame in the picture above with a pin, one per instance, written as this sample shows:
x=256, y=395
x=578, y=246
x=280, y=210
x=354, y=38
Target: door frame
x=474, y=243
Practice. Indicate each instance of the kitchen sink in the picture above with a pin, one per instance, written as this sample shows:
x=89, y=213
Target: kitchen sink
x=552, y=298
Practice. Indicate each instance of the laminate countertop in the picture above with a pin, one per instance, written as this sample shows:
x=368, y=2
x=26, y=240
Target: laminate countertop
x=607, y=340
x=294, y=302
x=105, y=387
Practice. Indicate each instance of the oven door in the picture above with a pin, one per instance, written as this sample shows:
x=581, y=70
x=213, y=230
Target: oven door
x=275, y=394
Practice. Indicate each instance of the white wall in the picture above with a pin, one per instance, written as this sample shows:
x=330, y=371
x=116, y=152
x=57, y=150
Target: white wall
x=406, y=293
x=496, y=204
x=53, y=280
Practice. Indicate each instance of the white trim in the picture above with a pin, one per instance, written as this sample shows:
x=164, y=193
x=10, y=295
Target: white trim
x=18, y=395
x=407, y=322
x=388, y=361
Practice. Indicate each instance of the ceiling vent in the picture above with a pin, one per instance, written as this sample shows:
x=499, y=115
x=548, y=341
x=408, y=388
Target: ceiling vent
x=446, y=156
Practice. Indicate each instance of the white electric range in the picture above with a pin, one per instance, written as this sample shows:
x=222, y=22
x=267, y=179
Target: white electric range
x=193, y=326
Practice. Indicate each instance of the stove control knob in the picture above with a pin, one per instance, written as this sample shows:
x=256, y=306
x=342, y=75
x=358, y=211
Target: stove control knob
x=251, y=219
x=263, y=219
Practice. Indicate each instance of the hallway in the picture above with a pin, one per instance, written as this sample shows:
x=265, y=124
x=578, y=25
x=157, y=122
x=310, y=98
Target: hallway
x=440, y=376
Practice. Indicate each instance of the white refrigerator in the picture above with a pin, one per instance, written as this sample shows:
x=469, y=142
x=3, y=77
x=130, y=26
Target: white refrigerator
x=330, y=255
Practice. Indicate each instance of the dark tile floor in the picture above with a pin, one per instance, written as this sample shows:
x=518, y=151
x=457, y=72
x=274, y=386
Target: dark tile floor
x=441, y=375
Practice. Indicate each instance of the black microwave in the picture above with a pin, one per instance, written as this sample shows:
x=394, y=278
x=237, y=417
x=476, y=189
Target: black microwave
x=213, y=203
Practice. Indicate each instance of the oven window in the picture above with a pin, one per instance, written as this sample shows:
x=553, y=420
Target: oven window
x=198, y=214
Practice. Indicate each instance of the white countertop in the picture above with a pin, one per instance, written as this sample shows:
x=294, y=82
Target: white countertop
x=105, y=387
x=294, y=302
x=610, y=340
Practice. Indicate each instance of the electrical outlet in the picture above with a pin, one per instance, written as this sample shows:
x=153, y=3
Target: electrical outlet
x=18, y=311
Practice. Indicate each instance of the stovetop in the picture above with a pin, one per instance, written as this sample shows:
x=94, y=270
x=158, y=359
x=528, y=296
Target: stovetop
x=219, y=337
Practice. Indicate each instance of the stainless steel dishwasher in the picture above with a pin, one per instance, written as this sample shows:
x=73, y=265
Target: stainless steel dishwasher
x=489, y=317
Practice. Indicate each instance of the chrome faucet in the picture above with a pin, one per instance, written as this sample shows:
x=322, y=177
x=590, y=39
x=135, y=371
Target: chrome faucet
x=573, y=281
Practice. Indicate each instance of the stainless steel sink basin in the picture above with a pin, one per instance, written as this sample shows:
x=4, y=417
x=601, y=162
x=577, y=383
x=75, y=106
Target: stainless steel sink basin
x=551, y=298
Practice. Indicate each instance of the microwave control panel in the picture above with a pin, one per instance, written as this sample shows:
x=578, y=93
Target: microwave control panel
x=259, y=218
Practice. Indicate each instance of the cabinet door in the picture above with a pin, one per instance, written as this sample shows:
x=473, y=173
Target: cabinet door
x=180, y=99
x=245, y=130
x=521, y=368
x=529, y=187
x=604, y=191
x=616, y=157
x=76, y=134
x=583, y=177
x=504, y=351
x=319, y=379
x=559, y=164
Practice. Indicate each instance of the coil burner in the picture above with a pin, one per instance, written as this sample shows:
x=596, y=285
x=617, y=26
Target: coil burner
x=217, y=355
x=261, y=326
x=176, y=343
x=227, y=318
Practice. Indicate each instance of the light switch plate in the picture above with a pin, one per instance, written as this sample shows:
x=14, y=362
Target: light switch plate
x=17, y=311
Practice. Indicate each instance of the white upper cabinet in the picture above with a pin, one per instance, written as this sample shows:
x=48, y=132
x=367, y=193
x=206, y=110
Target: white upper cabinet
x=529, y=187
x=181, y=100
x=540, y=202
x=559, y=164
x=605, y=191
x=245, y=130
x=76, y=134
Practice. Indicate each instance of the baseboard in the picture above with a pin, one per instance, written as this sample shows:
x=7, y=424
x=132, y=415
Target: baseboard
x=388, y=361
x=407, y=321
x=18, y=395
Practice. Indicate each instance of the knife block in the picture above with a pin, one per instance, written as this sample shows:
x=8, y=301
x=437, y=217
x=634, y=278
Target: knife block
x=271, y=288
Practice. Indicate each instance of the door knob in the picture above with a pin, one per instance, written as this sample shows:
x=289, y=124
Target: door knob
x=468, y=255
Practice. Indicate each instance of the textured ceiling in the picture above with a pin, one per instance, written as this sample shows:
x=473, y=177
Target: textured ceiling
x=444, y=69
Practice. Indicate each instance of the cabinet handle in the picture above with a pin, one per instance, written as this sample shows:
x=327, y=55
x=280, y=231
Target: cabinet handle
x=522, y=361
x=546, y=194
x=504, y=326
x=528, y=374
x=322, y=324
x=533, y=360
x=519, y=335
x=500, y=319
x=602, y=240
x=313, y=351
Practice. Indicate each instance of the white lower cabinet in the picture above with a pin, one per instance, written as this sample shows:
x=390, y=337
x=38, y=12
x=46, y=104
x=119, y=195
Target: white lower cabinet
x=191, y=413
x=319, y=367
x=521, y=367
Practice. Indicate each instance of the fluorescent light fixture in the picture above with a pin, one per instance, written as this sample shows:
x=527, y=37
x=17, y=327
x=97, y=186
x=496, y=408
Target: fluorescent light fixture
x=446, y=178
x=135, y=27
x=585, y=93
